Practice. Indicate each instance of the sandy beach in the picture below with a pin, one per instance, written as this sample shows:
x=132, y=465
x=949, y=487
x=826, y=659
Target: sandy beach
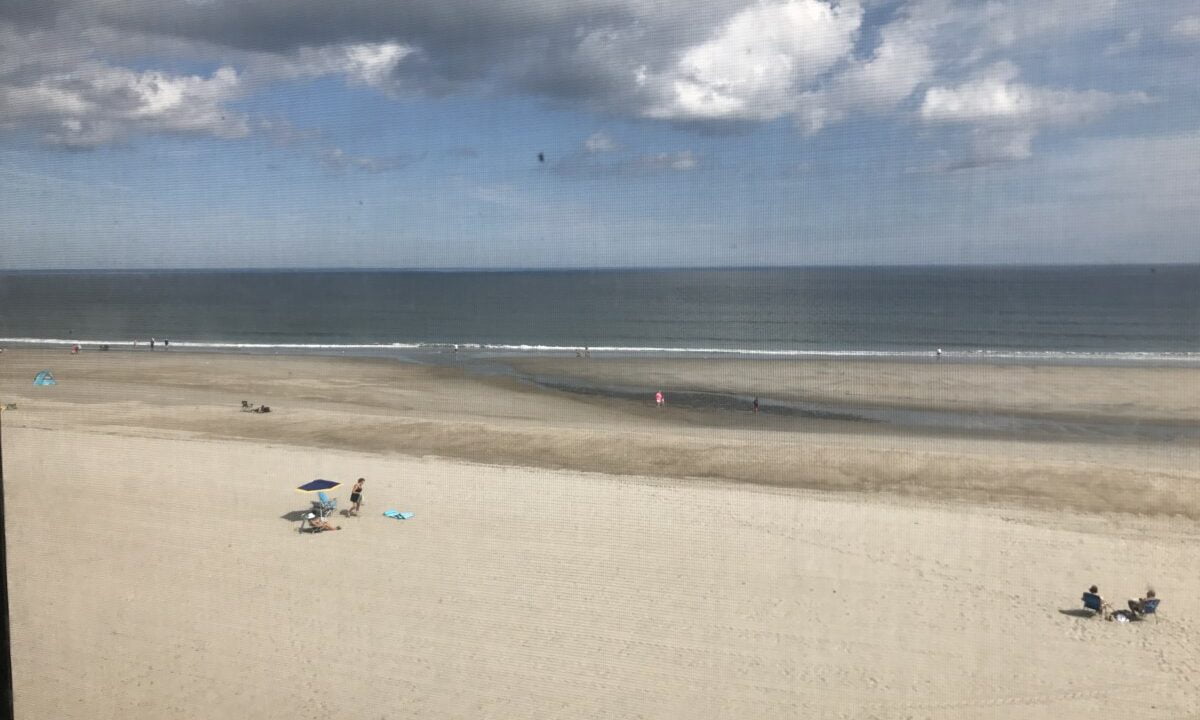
x=586, y=556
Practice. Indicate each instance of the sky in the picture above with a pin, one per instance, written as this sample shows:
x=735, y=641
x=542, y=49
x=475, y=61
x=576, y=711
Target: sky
x=597, y=133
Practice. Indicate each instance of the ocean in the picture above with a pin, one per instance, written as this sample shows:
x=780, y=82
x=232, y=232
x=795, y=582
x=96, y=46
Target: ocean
x=1122, y=314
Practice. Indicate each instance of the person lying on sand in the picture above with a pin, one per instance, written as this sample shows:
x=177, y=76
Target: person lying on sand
x=321, y=524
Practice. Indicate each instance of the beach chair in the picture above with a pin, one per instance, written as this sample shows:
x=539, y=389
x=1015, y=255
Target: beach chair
x=325, y=504
x=1150, y=607
x=1092, y=602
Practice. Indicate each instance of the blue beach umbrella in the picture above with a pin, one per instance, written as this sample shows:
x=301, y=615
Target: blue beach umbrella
x=313, y=486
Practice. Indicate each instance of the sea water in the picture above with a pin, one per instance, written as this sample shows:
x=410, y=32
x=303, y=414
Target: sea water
x=1124, y=314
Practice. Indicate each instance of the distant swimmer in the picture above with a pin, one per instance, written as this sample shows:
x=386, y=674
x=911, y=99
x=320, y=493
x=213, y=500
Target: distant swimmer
x=658, y=398
x=541, y=157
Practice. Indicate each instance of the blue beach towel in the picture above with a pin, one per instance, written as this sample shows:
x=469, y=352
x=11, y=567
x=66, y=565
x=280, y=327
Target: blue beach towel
x=397, y=514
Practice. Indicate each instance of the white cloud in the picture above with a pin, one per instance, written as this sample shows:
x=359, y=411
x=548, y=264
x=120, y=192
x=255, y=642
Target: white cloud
x=1006, y=22
x=370, y=64
x=337, y=160
x=697, y=62
x=615, y=162
x=752, y=67
x=1187, y=29
x=1005, y=115
x=996, y=98
x=682, y=160
x=599, y=141
x=877, y=84
x=1130, y=41
x=95, y=103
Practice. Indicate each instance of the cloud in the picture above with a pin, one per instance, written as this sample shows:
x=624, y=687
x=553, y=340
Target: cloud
x=682, y=160
x=95, y=103
x=338, y=161
x=1130, y=41
x=372, y=65
x=1007, y=22
x=283, y=133
x=706, y=64
x=599, y=142
x=1187, y=28
x=995, y=97
x=752, y=67
x=1005, y=115
x=614, y=162
x=877, y=84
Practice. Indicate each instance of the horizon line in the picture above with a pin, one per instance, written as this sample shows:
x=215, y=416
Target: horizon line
x=596, y=268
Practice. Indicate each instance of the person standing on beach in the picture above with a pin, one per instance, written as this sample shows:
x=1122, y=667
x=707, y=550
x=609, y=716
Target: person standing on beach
x=151, y=344
x=356, y=496
x=658, y=398
x=755, y=406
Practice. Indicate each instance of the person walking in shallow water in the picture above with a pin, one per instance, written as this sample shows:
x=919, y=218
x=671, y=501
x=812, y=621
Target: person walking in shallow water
x=356, y=495
x=658, y=399
x=755, y=406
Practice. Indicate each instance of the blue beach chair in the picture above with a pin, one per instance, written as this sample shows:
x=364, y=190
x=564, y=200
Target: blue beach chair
x=325, y=504
x=1150, y=607
x=1092, y=602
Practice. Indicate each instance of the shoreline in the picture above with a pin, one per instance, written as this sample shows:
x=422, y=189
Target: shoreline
x=450, y=351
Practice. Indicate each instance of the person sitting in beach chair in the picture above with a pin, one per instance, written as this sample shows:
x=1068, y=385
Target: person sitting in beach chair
x=1092, y=601
x=246, y=406
x=262, y=409
x=1142, y=607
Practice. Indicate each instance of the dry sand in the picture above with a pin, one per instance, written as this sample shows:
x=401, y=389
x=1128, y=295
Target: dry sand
x=574, y=557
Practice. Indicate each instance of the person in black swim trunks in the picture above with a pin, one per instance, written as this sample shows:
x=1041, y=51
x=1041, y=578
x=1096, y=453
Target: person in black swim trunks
x=356, y=495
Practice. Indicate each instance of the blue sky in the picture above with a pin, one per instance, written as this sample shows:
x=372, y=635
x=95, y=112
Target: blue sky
x=264, y=133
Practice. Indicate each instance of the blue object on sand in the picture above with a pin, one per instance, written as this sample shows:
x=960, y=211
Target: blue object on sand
x=318, y=485
x=397, y=514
